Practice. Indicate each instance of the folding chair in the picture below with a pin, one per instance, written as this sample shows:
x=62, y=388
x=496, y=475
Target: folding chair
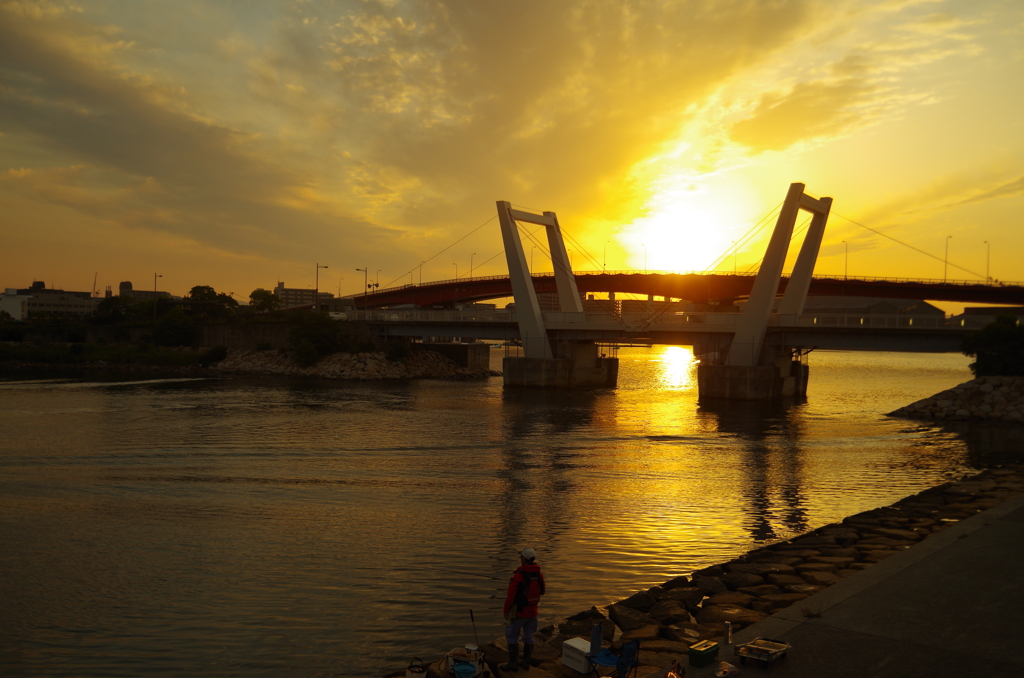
x=625, y=662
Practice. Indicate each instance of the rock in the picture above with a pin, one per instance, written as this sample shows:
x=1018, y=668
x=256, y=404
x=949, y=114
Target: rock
x=709, y=585
x=666, y=646
x=680, y=634
x=729, y=613
x=644, y=633
x=846, y=572
x=816, y=567
x=841, y=552
x=629, y=619
x=688, y=596
x=678, y=582
x=730, y=598
x=713, y=571
x=820, y=578
x=759, y=568
x=669, y=612
x=809, y=589
x=909, y=535
x=778, y=558
x=776, y=601
x=784, y=579
x=641, y=600
x=878, y=556
x=762, y=590
x=582, y=627
x=838, y=562
x=798, y=551
x=736, y=580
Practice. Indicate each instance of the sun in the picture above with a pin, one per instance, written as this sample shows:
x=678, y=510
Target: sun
x=687, y=229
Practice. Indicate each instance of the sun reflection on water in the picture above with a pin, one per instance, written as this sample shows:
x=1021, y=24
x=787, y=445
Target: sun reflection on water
x=678, y=368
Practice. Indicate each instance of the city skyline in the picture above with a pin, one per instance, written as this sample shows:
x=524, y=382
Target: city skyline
x=240, y=147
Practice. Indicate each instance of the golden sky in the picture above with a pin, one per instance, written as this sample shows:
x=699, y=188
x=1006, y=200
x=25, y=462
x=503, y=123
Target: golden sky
x=237, y=144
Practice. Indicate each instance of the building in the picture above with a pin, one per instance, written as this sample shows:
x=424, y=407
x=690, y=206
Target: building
x=296, y=296
x=38, y=300
x=977, y=317
x=14, y=304
x=125, y=289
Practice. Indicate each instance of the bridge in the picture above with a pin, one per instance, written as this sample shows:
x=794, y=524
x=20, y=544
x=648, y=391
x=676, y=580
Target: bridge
x=697, y=286
x=754, y=354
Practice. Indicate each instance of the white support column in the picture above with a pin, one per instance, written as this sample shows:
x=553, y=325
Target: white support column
x=795, y=296
x=746, y=343
x=565, y=282
x=532, y=330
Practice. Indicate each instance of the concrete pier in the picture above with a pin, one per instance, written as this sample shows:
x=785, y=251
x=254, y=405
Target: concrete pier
x=787, y=378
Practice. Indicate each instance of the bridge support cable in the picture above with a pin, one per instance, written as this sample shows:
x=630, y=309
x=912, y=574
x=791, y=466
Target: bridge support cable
x=750, y=332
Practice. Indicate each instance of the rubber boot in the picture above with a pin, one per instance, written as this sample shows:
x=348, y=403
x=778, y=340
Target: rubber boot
x=527, y=651
x=513, y=655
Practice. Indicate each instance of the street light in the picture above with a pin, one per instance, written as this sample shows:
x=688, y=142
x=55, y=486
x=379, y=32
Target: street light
x=316, y=289
x=645, y=257
x=945, y=263
x=456, y=270
x=421, y=271
x=471, y=264
x=155, y=276
x=366, y=286
x=846, y=261
x=988, y=252
x=604, y=262
x=735, y=251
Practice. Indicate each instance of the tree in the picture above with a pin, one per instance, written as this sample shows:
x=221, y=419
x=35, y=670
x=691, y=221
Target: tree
x=264, y=300
x=998, y=349
x=202, y=293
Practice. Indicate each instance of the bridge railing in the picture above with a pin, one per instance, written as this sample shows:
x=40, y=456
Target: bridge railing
x=668, y=321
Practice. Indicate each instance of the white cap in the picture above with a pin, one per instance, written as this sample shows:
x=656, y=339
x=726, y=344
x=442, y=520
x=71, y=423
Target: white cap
x=528, y=553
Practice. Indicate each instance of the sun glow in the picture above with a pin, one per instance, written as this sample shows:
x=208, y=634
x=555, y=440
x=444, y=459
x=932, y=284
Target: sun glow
x=687, y=227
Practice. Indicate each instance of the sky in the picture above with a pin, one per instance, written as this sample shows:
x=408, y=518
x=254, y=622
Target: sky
x=241, y=143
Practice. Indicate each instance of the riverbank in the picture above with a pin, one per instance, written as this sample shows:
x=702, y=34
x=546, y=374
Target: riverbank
x=192, y=362
x=682, y=611
x=984, y=398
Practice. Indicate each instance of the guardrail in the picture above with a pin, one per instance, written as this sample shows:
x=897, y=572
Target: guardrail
x=640, y=321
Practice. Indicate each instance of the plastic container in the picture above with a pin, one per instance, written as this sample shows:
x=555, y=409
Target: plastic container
x=703, y=653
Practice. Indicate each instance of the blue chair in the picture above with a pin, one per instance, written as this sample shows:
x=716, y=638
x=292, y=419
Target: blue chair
x=626, y=661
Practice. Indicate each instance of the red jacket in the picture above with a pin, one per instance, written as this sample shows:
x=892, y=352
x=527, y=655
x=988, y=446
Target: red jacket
x=513, y=586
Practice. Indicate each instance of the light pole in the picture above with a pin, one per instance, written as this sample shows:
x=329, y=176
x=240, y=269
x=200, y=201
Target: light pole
x=155, y=276
x=735, y=251
x=846, y=260
x=316, y=290
x=421, y=271
x=988, y=252
x=376, y=282
x=645, y=257
x=604, y=261
x=945, y=263
x=456, y=270
x=471, y=264
x=366, y=286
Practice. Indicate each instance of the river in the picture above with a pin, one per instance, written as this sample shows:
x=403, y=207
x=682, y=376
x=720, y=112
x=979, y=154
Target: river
x=280, y=527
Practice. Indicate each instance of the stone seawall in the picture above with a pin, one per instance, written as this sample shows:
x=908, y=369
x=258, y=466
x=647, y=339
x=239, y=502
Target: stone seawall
x=358, y=366
x=672, y=616
x=984, y=398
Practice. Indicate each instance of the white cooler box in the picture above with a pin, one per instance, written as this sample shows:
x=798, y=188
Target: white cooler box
x=574, y=654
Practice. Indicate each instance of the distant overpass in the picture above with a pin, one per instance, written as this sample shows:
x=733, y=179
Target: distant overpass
x=693, y=287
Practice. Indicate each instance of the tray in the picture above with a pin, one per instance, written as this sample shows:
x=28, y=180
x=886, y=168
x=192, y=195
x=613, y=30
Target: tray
x=762, y=650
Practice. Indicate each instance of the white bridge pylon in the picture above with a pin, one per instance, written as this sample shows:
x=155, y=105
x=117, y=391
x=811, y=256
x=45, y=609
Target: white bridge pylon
x=532, y=330
x=749, y=338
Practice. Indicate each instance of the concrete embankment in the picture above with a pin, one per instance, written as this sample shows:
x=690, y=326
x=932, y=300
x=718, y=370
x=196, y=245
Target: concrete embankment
x=671, y=617
x=357, y=366
x=984, y=398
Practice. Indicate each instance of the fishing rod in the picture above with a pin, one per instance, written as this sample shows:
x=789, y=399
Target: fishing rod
x=474, y=574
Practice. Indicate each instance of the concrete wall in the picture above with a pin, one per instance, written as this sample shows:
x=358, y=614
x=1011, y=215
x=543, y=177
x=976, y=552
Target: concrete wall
x=476, y=356
x=738, y=382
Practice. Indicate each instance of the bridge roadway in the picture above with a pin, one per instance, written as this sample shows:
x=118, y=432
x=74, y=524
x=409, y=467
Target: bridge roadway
x=709, y=330
x=694, y=287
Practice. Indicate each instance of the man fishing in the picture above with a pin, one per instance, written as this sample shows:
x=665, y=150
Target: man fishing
x=520, y=610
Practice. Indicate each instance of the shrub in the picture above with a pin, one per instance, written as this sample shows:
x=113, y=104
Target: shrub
x=213, y=355
x=305, y=353
x=263, y=346
x=998, y=349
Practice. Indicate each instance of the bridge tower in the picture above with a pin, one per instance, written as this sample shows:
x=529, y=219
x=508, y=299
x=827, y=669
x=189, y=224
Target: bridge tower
x=753, y=370
x=566, y=363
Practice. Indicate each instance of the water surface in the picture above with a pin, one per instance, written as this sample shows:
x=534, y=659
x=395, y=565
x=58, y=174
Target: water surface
x=284, y=527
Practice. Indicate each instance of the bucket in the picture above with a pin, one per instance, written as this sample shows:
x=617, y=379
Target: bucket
x=416, y=669
x=464, y=670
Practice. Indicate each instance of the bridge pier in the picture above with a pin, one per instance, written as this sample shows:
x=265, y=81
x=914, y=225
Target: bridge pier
x=785, y=377
x=578, y=365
